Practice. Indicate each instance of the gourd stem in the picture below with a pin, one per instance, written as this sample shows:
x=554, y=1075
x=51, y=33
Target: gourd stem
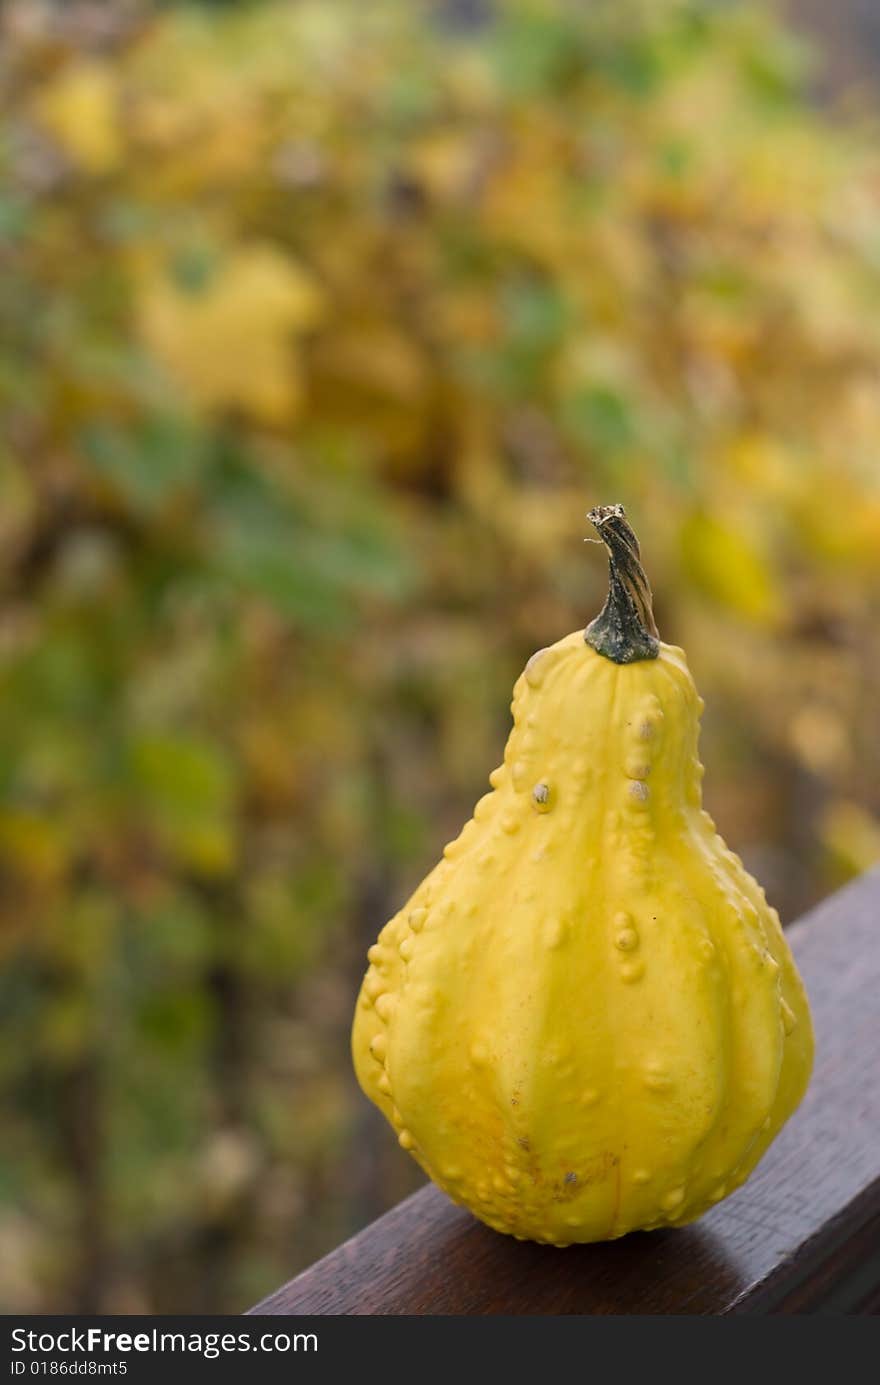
x=624, y=630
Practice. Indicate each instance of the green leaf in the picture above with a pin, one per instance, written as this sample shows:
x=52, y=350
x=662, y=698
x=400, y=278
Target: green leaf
x=602, y=418
x=535, y=52
x=148, y=463
x=180, y=776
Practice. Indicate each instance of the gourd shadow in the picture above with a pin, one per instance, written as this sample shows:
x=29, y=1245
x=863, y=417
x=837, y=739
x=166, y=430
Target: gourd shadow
x=669, y=1271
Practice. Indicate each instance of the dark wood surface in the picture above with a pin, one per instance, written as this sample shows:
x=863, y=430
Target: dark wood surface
x=801, y=1236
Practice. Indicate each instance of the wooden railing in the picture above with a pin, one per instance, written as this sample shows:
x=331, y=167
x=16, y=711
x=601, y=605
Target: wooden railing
x=801, y=1236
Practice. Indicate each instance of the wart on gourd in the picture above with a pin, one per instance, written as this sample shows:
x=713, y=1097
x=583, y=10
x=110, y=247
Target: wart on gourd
x=588, y=913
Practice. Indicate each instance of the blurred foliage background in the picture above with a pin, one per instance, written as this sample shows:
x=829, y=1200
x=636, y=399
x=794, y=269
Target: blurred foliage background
x=323, y=324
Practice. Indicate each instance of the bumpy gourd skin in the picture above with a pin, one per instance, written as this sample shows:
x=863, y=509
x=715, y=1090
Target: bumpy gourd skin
x=586, y=1019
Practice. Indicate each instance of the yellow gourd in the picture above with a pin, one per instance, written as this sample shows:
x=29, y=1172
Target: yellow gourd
x=586, y=1019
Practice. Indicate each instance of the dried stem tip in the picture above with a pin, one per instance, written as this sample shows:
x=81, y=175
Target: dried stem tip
x=624, y=630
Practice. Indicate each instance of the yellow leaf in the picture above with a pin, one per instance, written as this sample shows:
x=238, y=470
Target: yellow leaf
x=208, y=846
x=35, y=846
x=852, y=835
x=761, y=463
x=444, y=163
x=730, y=569
x=376, y=357
x=80, y=110
x=229, y=342
x=819, y=737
